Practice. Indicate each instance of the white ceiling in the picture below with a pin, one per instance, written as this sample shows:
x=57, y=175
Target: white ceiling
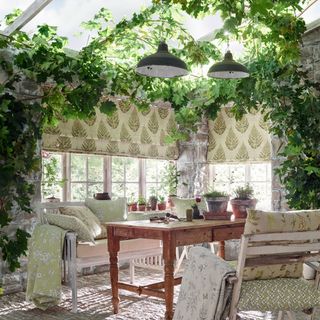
x=67, y=15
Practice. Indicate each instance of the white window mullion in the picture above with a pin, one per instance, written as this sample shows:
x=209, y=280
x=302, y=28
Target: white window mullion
x=142, y=177
x=107, y=174
x=68, y=184
x=87, y=176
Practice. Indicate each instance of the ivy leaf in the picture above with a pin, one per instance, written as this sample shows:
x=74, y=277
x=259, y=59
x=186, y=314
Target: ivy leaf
x=108, y=107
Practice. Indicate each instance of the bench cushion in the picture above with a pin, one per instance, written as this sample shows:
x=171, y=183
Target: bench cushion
x=84, y=214
x=86, y=250
x=71, y=224
x=108, y=210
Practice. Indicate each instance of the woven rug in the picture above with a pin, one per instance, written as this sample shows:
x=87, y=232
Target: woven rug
x=94, y=302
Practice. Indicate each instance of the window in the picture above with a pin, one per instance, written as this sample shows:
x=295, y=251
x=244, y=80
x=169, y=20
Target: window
x=125, y=177
x=52, y=178
x=154, y=173
x=86, y=176
x=227, y=177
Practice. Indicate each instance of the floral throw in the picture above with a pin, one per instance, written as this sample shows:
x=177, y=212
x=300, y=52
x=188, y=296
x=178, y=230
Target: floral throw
x=44, y=266
x=204, y=291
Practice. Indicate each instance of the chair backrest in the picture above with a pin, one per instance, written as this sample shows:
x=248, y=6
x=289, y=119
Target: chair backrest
x=283, y=238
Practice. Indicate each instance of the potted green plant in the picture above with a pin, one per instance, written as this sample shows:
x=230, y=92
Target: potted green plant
x=153, y=199
x=162, y=203
x=132, y=204
x=242, y=201
x=170, y=180
x=142, y=203
x=50, y=183
x=217, y=202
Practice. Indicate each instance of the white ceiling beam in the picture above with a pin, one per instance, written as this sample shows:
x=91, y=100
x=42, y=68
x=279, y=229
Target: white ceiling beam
x=26, y=16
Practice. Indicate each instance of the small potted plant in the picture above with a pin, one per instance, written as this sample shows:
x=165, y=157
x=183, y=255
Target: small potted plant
x=217, y=203
x=242, y=201
x=170, y=179
x=141, y=203
x=162, y=203
x=153, y=199
x=132, y=204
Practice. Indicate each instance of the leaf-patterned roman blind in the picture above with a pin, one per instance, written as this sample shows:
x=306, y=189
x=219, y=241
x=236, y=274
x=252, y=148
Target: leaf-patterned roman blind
x=247, y=139
x=127, y=132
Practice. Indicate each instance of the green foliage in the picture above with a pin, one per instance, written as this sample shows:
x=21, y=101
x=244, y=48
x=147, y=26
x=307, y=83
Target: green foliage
x=170, y=178
x=215, y=194
x=244, y=193
x=50, y=181
x=142, y=200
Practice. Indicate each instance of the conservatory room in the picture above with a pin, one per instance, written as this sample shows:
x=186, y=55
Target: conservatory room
x=160, y=159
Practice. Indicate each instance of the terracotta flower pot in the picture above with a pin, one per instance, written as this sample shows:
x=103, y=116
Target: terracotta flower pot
x=239, y=207
x=217, y=205
x=133, y=207
x=141, y=207
x=162, y=206
x=153, y=203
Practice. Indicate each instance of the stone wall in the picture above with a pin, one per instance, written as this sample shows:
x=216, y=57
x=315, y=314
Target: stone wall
x=310, y=53
x=16, y=281
x=192, y=163
x=310, y=61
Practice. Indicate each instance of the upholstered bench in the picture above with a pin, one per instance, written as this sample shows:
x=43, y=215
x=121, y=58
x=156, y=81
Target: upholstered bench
x=79, y=254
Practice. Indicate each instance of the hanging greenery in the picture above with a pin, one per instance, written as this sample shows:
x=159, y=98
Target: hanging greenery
x=70, y=85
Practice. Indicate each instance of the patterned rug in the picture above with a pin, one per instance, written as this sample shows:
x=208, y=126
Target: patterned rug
x=94, y=302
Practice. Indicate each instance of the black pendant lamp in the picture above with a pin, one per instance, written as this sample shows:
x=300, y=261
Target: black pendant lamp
x=228, y=69
x=162, y=64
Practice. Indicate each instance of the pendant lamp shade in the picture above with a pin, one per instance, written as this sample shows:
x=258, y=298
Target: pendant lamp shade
x=228, y=69
x=162, y=64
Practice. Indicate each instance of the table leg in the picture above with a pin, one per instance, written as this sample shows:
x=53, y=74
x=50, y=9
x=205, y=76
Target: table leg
x=113, y=247
x=221, y=250
x=168, y=257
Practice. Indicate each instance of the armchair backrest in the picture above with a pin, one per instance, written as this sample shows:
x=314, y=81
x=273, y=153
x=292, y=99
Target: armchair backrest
x=272, y=239
x=260, y=222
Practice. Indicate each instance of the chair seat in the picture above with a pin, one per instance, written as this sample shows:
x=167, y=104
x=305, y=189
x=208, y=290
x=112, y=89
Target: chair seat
x=278, y=294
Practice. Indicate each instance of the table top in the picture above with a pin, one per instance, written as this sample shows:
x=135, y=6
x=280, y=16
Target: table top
x=175, y=225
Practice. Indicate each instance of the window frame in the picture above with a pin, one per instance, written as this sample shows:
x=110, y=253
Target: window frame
x=106, y=176
x=247, y=175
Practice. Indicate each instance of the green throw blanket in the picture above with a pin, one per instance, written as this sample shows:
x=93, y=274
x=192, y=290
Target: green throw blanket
x=44, y=266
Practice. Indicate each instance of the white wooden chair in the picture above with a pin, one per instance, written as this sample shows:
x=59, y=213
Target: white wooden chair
x=269, y=270
x=268, y=276
x=274, y=249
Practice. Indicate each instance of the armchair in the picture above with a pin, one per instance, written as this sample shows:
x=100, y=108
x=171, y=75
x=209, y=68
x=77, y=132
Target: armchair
x=268, y=276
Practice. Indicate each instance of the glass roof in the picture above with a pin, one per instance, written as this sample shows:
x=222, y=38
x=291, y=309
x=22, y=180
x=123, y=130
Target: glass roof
x=67, y=15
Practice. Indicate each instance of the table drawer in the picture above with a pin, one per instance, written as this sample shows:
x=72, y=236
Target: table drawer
x=227, y=233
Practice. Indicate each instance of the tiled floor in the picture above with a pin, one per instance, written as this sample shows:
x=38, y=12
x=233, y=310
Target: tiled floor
x=94, y=302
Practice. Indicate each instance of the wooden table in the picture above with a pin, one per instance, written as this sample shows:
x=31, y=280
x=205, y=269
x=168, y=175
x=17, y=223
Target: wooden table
x=174, y=234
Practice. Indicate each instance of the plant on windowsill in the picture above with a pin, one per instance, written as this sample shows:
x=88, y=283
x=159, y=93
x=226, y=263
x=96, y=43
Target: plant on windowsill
x=170, y=180
x=242, y=201
x=153, y=199
x=217, y=202
x=132, y=204
x=142, y=203
x=50, y=184
x=162, y=203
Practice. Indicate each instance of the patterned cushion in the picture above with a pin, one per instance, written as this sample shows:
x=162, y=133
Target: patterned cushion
x=71, y=224
x=182, y=204
x=293, y=270
x=278, y=294
x=86, y=216
x=108, y=210
x=268, y=222
x=290, y=221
